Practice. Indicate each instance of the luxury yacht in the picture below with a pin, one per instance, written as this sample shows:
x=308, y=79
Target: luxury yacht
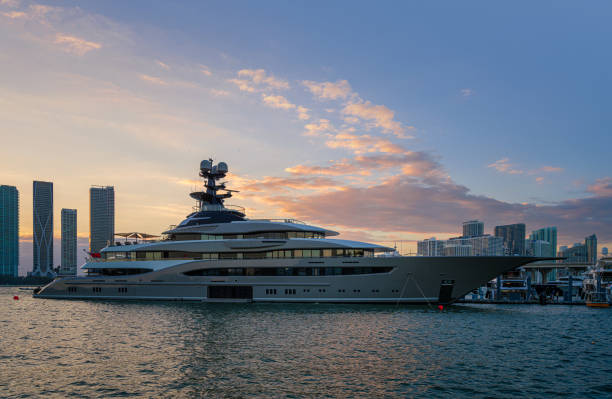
x=217, y=254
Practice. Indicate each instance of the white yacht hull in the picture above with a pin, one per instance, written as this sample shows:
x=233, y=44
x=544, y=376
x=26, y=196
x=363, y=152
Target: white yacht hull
x=411, y=280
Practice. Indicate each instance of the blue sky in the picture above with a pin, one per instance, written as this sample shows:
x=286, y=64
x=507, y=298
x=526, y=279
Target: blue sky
x=455, y=109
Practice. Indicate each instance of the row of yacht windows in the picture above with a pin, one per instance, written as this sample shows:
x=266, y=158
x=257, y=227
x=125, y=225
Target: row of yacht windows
x=269, y=235
x=290, y=253
x=288, y=271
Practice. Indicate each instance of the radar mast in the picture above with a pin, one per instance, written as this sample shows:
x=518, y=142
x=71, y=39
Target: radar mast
x=211, y=198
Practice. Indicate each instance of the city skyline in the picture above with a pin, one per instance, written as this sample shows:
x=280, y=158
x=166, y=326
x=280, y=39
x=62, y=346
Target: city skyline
x=414, y=146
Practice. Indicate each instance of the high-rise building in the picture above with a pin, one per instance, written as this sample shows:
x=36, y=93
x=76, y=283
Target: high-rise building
x=69, y=242
x=538, y=248
x=430, y=247
x=9, y=231
x=101, y=217
x=548, y=234
x=575, y=254
x=473, y=228
x=590, y=243
x=484, y=245
x=43, y=229
x=514, y=238
x=604, y=251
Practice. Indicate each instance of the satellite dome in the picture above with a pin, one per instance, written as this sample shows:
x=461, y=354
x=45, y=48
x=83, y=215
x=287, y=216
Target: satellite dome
x=214, y=169
x=222, y=167
x=205, y=165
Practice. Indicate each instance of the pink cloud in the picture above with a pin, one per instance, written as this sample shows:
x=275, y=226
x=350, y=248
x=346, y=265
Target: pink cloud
x=329, y=90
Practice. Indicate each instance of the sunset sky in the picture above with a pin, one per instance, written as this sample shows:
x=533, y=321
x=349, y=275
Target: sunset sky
x=384, y=121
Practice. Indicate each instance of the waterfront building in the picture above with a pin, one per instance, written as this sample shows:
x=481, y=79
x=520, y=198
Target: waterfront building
x=101, y=217
x=538, y=248
x=548, y=234
x=430, y=247
x=575, y=254
x=43, y=229
x=473, y=228
x=457, y=249
x=604, y=251
x=484, y=245
x=590, y=243
x=69, y=242
x=514, y=238
x=9, y=231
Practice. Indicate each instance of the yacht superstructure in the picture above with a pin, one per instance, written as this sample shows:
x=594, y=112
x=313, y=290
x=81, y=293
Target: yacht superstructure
x=218, y=254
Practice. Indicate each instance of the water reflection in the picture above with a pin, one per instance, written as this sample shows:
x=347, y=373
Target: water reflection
x=99, y=349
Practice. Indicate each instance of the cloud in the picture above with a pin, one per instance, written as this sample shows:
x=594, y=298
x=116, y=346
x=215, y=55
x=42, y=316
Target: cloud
x=252, y=80
x=379, y=115
x=162, y=65
x=300, y=183
x=10, y=3
x=15, y=14
x=75, y=45
x=219, y=93
x=153, y=79
x=601, y=187
x=504, y=166
x=329, y=90
x=360, y=144
x=205, y=70
x=467, y=92
x=277, y=102
x=550, y=169
x=316, y=129
x=303, y=113
x=337, y=168
x=402, y=204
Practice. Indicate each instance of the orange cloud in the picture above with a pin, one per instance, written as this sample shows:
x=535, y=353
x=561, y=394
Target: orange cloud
x=379, y=115
x=252, y=80
x=154, y=80
x=277, y=102
x=601, y=187
x=316, y=129
x=328, y=90
x=76, y=45
x=360, y=144
x=504, y=166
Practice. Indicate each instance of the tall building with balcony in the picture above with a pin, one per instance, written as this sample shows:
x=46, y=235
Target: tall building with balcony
x=9, y=231
x=538, y=248
x=548, y=234
x=68, y=265
x=43, y=229
x=590, y=243
x=514, y=238
x=430, y=247
x=473, y=228
x=101, y=217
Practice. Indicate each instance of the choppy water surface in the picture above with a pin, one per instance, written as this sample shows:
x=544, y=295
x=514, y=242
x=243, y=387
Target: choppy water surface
x=163, y=349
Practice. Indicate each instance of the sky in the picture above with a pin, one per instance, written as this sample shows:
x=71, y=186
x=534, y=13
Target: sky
x=392, y=121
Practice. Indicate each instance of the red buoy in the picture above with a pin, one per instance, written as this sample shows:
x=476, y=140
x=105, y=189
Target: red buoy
x=440, y=307
x=16, y=298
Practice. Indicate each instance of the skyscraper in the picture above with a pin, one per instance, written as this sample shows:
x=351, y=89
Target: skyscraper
x=548, y=234
x=590, y=243
x=9, y=231
x=101, y=217
x=473, y=228
x=514, y=238
x=43, y=229
x=69, y=242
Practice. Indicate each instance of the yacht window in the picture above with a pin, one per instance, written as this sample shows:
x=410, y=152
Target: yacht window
x=327, y=253
x=297, y=253
x=306, y=253
x=316, y=253
x=157, y=255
